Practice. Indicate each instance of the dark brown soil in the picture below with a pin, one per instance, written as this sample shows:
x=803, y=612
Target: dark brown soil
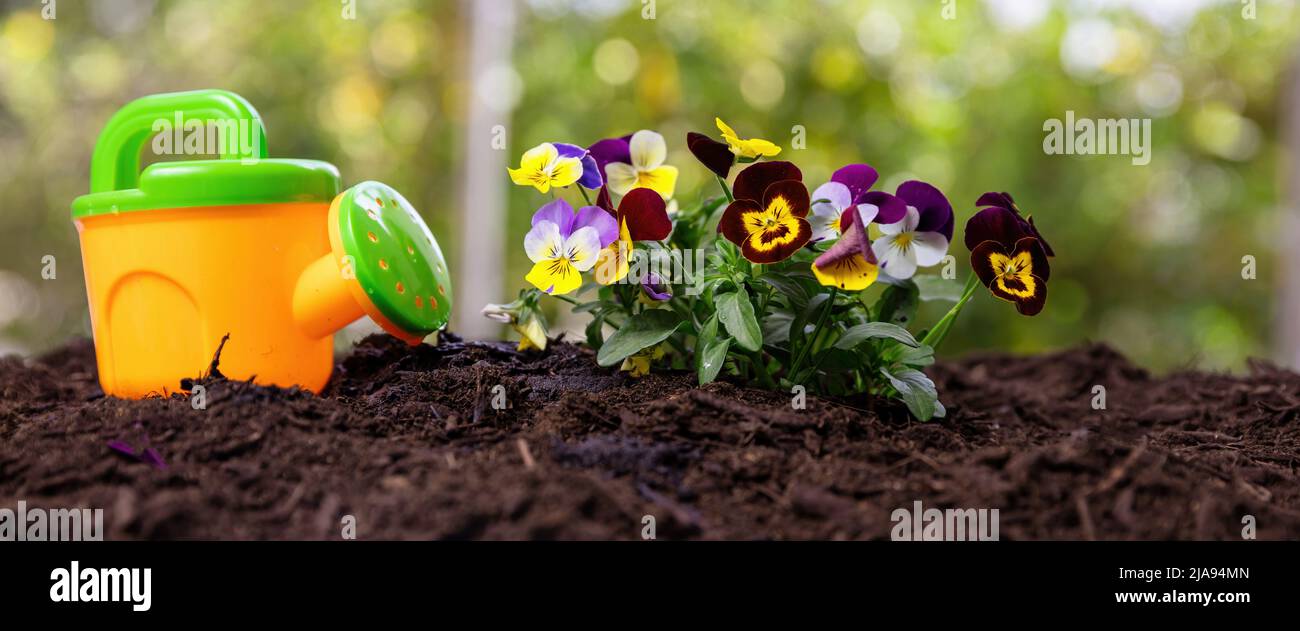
x=408, y=441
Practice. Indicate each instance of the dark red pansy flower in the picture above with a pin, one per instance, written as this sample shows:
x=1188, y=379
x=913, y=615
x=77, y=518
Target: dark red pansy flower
x=768, y=223
x=1024, y=226
x=715, y=156
x=1008, y=254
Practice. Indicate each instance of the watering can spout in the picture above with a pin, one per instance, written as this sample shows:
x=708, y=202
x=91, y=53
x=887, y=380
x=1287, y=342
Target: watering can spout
x=384, y=263
x=322, y=302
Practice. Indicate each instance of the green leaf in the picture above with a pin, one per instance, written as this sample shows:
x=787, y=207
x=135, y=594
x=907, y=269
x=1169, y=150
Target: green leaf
x=776, y=326
x=596, y=333
x=937, y=288
x=897, y=305
x=643, y=330
x=709, y=363
x=860, y=333
x=789, y=287
x=916, y=357
x=737, y=314
x=917, y=392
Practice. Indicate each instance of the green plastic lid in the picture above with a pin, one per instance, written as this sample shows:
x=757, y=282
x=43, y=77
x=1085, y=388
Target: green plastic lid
x=397, y=262
x=198, y=183
x=224, y=120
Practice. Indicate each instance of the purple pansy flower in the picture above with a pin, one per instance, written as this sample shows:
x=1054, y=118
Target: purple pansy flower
x=563, y=244
x=921, y=238
x=655, y=289
x=850, y=187
x=592, y=172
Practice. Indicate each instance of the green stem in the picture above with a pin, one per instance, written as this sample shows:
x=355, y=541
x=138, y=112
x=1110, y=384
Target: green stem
x=803, y=351
x=725, y=189
x=584, y=195
x=566, y=299
x=764, y=378
x=940, y=329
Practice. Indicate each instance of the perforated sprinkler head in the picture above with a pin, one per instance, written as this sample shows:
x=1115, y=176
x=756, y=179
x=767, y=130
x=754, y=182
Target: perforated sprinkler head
x=386, y=258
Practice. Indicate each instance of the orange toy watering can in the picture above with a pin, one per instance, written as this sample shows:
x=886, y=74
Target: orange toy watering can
x=266, y=250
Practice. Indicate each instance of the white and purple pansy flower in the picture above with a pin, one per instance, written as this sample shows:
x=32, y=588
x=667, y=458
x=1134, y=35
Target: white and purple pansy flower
x=850, y=187
x=921, y=238
x=563, y=244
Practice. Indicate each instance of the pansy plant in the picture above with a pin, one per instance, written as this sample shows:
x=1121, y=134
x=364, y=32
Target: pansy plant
x=819, y=289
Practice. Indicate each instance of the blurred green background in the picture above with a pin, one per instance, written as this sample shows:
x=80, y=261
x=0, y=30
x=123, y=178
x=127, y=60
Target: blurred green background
x=954, y=92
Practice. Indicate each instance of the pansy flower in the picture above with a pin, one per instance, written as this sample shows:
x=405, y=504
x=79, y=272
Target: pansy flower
x=714, y=155
x=849, y=264
x=921, y=238
x=592, y=175
x=1008, y=254
x=767, y=218
x=563, y=244
x=543, y=168
x=850, y=186
x=654, y=289
x=524, y=317
x=641, y=216
x=645, y=167
x=747, y=149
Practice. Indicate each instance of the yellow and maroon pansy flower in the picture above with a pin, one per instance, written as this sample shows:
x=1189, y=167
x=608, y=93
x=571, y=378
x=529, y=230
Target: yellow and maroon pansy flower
x=849, y=263
x=767, y=218
x=1008, y=254
x=1018, y=274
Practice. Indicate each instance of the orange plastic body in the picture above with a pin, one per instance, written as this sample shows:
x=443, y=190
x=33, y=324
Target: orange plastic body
x=166, y=285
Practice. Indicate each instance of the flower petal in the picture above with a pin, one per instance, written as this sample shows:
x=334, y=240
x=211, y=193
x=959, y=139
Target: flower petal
x=935, y=210
x=786, y=196
x=565, y=171
x=611, y=150
x=824, y=226
x=645, y=215
x=595, y=217
x=852, y=245
x=930, y=248
x=835, y=197
x=612, y=264
x=715, y=156
x=592, y=177
x=620, y=178
x=777, y=243
x=648, y=150
x=555, y=276
x=891, y=208
x=737, y=218
x=543, y=242
x=851, y=273
x=859, y=178
x=582, y=247
x=899, y=262
x=662, y=180
x=753, y=181
x=995, y=224
x=558, y=212
x=539, y=157
x=907, y=224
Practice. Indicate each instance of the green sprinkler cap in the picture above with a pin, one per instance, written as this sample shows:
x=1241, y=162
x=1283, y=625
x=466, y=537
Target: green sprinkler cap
x=397, y=262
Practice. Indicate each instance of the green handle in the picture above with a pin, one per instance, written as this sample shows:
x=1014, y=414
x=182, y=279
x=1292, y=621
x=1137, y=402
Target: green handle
x=115, y=165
